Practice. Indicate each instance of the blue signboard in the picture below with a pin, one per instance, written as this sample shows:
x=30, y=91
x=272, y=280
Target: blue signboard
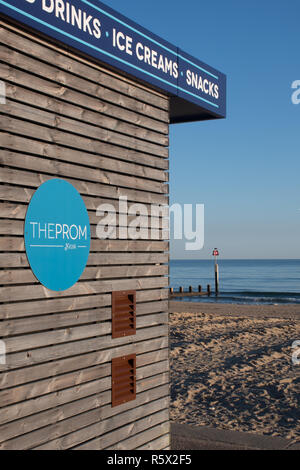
x=104, y=34
x=196, y=79
x=57, y=235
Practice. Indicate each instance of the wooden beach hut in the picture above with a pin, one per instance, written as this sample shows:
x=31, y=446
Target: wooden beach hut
x=87, y=97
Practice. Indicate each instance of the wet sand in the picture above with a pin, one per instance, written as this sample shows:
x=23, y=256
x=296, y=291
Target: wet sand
x=232, y=367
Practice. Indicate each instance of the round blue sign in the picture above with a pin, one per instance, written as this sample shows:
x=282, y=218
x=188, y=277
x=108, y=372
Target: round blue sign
x=57, y=235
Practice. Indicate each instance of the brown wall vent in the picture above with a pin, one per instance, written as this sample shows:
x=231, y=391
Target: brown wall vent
x=123, y=374
x=123, y=314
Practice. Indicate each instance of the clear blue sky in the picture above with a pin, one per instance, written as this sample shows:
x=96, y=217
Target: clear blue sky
x=245, y=169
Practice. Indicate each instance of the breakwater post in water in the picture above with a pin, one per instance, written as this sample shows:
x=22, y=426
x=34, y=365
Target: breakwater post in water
x=190, y=292
x=216, y=254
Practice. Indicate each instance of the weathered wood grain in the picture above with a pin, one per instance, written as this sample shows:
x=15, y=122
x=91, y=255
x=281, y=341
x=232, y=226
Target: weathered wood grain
x=157, y=348
x=68, y=425
x=17, y=260
x=25, y=42
x=17, y=177
x=67, y=319
x=81, y=108
x=69, y=170
x=66, y=79
x=161, y=443
x=17, y=244
x=16, y=227
x=44, y=118
x=45, y=354
x=58, y=152
x=26, y=276
x=108, y=136
x=66, y=304
x=27, y=399
x=75, y=438
x=118, y=440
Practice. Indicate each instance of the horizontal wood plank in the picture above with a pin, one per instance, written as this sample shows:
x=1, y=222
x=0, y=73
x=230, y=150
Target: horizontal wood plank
x=17, y=244
x=51, y=432
x=46, y=322
x=147, y=351
x=30, y=308
x=71, y=155
x=104, y=427
x=50, y=120
x=63, y=138
x=31, y=45
x=80, y=107
x=117, y=440
x=161, y=443
x=26, y=276
x=11, y=226
x=17, y=260
x=15, y=176
x=45, y=354
x=66, y=79
x=59, y=169
x=30, y=399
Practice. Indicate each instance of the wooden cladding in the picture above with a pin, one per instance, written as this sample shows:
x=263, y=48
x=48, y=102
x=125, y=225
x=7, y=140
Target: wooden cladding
x=123, y=371
x=68, y=118
x=123, y=314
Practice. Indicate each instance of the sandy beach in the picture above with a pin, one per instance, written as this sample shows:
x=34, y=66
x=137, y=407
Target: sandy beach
x=232, y=367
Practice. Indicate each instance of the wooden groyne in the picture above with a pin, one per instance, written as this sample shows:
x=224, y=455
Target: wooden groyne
x=190, y=292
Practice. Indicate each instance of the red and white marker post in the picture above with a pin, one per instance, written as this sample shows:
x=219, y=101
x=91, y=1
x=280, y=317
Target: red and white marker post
x=216, y=254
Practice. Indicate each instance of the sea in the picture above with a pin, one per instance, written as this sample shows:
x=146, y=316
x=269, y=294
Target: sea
x=241, y=281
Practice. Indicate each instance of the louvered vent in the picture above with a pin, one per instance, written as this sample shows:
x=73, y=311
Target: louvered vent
x=123, y=313
x=123, y=371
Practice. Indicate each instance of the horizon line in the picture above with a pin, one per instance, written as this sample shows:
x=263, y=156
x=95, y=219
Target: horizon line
x=235, y=259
